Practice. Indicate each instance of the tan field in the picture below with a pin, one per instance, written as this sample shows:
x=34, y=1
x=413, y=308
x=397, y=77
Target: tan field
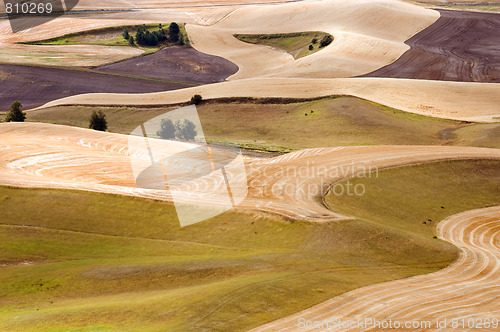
x=381, y=27
x=43, y=155
x=368, y=35
x=456, y=100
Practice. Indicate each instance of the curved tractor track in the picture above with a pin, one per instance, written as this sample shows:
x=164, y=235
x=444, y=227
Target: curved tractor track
x=460, y=46
x=292, y=185
x=466, y=289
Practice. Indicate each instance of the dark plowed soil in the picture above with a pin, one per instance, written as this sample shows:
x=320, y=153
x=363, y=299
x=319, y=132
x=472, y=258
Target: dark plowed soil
x=34, y=86
x=178, y=64
x=460, y=46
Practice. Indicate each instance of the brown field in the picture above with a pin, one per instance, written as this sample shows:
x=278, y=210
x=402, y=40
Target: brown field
x=460, y=46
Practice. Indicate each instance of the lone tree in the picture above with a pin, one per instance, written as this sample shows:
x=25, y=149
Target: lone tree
x=98, y=121
x=185, y=130
x=15, y=114
x=196, y=99
x=167, y=129
x=173, y=32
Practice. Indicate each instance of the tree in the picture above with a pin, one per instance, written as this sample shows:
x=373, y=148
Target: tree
x=15, y=114
x=131, y=41
x=311, y=47
x=196, y=99
x=167, y=129
x=126, y=35
x=139, y=36
x=173, y=32
x=314, y=40
x=185, y=130
x=327, y=40
x=98, y=121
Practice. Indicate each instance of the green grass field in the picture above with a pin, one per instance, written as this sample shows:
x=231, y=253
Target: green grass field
x=297, y=44
x=111, y=36
x=90, y=262
x=285, y=125
x=413, y=199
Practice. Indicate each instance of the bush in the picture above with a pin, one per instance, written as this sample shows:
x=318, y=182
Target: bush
x=314, y=41
x=196, y=99
x=126, y=35
x=311, y=47
x=131, y=41
x=327, y=40
x=167, y=129
x=98, y=121
x=15, y=114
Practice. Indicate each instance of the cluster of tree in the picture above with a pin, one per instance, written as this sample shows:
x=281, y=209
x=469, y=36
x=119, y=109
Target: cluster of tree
x=145, y=37
x=148, y=38
x=327, y=40
x=98, y=121
x=15, y=114
x=185, y=130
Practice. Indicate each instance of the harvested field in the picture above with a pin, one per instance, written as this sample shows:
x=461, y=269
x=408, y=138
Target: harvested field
x=64, y=157
x=464, y=101
x=460, y=46
x=467, y=288
x=34, y=86
x=177, y=64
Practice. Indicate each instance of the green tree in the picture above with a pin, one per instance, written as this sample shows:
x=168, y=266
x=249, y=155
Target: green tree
x=126, y=35
x=98, y=121
x=311, y=47
x=167, y=129
x=185, y=130
x=173, y=32
x=139, y=36
x=196, y=99
x=15, y=114
x=327, y=40
x=131, y=41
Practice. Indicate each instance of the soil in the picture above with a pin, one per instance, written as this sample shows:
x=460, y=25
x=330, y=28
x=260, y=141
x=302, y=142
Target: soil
x=460, y=46
x=177, y=64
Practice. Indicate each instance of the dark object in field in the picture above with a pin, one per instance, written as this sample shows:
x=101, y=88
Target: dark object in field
x=460, y=46
x=177, y=64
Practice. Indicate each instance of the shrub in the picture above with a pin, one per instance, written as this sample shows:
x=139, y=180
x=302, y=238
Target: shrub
x=196, y=99
x=15, y=114
x=98, y=121
x=311, y=47
x=314, y=41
